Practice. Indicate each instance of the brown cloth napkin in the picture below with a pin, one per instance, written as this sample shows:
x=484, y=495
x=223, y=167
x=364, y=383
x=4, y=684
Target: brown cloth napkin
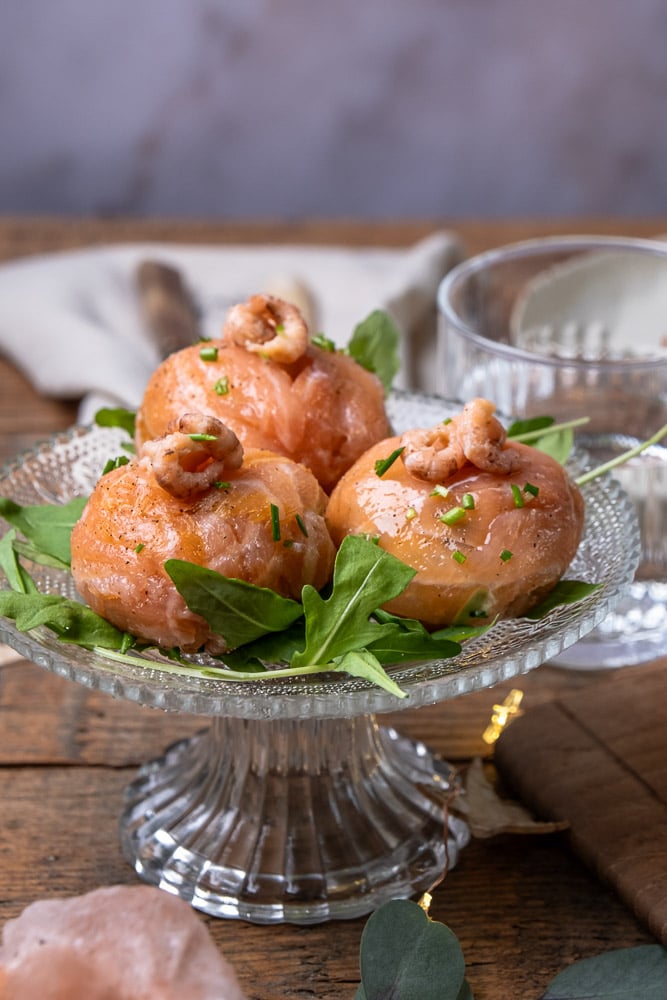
x=597, y=758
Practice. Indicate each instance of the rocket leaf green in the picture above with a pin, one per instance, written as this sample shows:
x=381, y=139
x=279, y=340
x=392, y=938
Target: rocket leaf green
x=365, y=576
x=47, y=526
x=374, y=345
x=233, y=608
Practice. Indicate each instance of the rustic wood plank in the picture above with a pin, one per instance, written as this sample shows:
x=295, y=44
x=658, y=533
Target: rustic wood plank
x=511, y=901
x=47, y=719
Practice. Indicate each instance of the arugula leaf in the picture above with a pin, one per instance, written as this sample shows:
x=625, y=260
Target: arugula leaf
x=638, y=973
x=374, y=345
x=17, y=577
x=557, y=440
x=47, y=526
x=565, y=592
x=405, y=645
x=237, y=610
x=70, y=620
x=362, y=663
x=274, y=647
x=116, y=417
x=454, y=633
x=558, y=445
x=528, y=425
x=365, y=576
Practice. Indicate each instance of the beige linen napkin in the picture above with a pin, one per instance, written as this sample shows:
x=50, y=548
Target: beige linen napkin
x=72, y=323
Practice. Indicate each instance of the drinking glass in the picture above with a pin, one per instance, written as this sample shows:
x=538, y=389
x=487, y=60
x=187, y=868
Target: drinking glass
x=576, y=327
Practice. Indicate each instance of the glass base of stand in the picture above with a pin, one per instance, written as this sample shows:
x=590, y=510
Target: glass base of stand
x=292, y=821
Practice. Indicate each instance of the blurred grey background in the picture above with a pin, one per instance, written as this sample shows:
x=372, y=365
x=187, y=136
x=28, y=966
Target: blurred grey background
x=372, y=108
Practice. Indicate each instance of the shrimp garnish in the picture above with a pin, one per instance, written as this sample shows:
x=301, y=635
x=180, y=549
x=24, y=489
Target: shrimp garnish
x=483, y=437
x=193, y=455
x=475, y=435
x=268, y=326
x=434, y=454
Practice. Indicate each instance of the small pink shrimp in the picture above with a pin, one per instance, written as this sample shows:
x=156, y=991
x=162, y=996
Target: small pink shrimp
x=482, y=438
x=268, y=326
x=193, y=455
x=434, y=454
x=473, y=436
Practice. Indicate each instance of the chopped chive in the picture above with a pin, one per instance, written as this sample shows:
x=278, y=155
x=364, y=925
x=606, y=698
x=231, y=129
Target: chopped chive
x=446, y=421
x=453, y=515
x=139, y=548
x=458, y=557
x=222, y=386
x=506, y=555
x=468, y=501
x=533, y=490
x=410, y=514
x=209, y=354
x=280, y=328
x=222, y=484
x=383, y=464
x=115, y=463
x=324, y=344
x=302, y=527
x=288, y=543
x=275, y=523
x=516, y=493
x=203, y=437
x=439, y=491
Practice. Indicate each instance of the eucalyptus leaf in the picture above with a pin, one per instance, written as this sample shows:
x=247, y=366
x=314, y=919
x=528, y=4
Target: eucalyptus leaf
x=465, y=993
x=47, y=526
x=374, y=345
x=116, y=417
x=235, y=609
x=624, y=974
x=365, y=576
x=405, y=955
x=565, y=592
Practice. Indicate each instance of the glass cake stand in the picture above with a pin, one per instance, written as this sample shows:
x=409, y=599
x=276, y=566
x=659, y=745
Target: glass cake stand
x=295, y=804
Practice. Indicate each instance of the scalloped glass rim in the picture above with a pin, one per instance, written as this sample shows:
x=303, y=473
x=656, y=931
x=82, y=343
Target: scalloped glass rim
x=68, y=464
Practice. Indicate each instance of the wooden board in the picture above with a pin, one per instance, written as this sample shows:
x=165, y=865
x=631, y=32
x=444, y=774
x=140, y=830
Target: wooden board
x=597, y=758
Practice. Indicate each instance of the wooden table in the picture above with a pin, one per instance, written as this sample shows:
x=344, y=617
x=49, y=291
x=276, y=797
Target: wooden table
x=523, y=907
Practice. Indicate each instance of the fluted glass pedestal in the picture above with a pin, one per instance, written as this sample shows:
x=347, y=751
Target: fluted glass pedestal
x=292, y=820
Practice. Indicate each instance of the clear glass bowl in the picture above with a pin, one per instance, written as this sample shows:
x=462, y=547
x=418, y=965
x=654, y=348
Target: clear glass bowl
x=296, y=805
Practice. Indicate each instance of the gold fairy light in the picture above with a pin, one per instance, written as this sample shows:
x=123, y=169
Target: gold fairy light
x=502, y=714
